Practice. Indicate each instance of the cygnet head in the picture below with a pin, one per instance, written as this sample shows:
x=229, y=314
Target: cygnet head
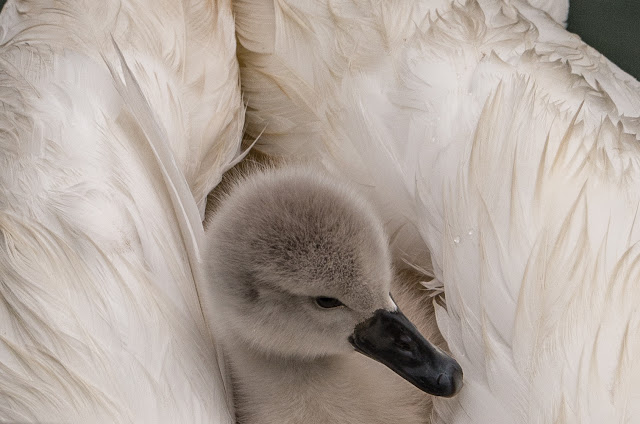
x=299, y=267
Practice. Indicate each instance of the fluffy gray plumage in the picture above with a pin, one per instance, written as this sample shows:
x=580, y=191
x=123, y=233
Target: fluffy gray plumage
x=278, y=241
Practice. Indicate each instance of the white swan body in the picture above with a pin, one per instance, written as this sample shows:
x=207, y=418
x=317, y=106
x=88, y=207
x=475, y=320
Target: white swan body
x=101, y=168
x=299, y=275
x=503, y=146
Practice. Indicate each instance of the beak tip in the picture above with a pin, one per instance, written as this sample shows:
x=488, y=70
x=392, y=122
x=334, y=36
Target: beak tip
x=450, y=381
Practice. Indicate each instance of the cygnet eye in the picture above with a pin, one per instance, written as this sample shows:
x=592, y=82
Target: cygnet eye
x=328, y=302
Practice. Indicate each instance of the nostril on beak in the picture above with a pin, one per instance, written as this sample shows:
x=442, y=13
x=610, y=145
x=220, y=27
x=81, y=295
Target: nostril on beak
x=404, y=343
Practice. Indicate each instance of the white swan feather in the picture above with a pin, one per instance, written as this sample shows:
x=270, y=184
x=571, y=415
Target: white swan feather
x=504, y=147
x=100, y=315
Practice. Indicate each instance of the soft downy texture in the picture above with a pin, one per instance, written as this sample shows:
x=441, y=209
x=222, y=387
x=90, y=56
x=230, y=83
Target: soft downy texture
x=503, y=153
x=117, y=119
x=278, y=368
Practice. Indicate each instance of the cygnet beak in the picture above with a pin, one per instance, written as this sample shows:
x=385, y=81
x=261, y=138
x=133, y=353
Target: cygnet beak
x=390, y=338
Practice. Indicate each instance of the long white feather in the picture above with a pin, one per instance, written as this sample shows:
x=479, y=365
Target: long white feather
x=503, y=153
x=99, y=229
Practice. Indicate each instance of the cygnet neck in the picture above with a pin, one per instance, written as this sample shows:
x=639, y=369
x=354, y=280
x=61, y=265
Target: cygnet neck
x=290, y=363
x=319, y=390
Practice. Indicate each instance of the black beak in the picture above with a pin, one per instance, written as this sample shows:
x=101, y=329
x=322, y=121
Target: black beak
x=390, y=338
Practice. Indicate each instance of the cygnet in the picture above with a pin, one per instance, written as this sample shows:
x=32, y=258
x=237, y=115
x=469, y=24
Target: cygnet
x=299, y=275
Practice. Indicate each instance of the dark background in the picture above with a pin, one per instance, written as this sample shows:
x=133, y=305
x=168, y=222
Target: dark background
x=611, y=26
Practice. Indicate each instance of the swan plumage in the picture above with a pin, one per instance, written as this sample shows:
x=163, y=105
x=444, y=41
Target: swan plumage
x=117, y=119
x=503, y=155
x=299, y=274
x=557, y=9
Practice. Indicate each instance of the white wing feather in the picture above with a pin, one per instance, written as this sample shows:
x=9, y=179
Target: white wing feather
x=506, y=148
x=99, y=229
